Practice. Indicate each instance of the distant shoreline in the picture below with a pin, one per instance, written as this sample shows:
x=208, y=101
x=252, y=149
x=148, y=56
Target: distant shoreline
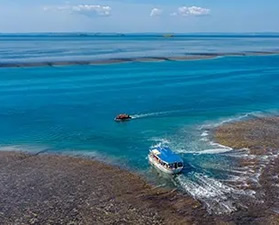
x=146, y=34
x=191, y=56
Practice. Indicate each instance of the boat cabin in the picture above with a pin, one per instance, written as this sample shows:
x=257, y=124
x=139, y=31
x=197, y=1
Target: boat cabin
x=166, y=158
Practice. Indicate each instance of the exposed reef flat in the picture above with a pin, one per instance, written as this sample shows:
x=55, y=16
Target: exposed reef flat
x=190, y=56
x=53, y=189
x=257, y=139
x=259, y=135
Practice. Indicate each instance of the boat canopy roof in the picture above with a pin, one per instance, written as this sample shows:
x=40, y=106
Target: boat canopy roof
x=166, y=155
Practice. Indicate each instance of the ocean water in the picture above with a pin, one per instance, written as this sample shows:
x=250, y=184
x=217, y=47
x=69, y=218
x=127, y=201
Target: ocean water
x=75, y=47
x=70, y=110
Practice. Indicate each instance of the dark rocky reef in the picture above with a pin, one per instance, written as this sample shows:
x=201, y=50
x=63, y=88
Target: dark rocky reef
x=52, y=189
x=260, y=135
x=259, y=139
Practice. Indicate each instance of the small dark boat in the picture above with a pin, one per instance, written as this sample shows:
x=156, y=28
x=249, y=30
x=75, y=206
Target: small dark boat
x=122, y=117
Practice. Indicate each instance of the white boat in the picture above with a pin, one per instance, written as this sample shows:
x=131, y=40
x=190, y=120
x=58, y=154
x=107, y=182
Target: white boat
x=164, y=159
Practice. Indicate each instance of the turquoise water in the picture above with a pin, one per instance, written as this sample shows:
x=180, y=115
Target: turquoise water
x=71, y=109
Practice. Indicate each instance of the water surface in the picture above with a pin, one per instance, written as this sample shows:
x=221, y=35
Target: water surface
x=70, y=109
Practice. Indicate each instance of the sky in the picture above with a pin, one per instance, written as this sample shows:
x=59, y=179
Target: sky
x=136, y=16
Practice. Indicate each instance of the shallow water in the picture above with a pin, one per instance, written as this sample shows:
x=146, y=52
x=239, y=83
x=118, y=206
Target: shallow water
x=71, y=109
x=80, y=47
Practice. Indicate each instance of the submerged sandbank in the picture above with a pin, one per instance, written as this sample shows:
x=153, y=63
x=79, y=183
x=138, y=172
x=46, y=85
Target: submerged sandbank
x=190, y=56
x=55, y=189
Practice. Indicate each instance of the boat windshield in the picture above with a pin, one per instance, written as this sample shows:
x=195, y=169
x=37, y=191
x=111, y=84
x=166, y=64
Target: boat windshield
x=175, y=165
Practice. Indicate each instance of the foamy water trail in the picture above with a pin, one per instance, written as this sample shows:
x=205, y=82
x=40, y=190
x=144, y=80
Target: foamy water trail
x=213, y=151
x=216, y=195
x=231, y=119
x=251, y=172
x=204, y=134
x=223, y=195
x=255, y=114
x=220, y=195
x=154, y=114
x=160, y=142
x=143, y=115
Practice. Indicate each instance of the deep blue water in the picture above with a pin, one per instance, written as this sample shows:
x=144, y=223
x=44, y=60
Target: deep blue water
x=71, y=109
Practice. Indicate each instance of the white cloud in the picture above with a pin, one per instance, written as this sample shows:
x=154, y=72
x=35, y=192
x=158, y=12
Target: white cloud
x=156, y=12
x=89, y=10
x=92, y=10
x=191, y=11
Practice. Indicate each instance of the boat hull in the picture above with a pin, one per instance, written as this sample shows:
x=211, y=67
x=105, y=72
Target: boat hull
x=158, y=166
x=122, y=120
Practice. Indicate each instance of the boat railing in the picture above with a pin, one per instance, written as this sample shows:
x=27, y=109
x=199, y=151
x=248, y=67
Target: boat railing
x=171, y=166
